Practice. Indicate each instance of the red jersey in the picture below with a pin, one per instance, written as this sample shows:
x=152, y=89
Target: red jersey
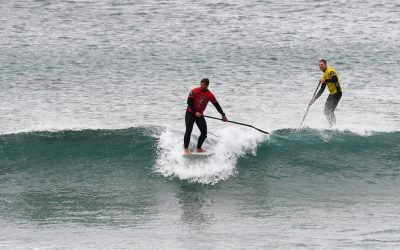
x=201, y=99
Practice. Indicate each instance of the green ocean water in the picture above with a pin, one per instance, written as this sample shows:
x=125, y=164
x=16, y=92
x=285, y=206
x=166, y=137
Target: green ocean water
x=108, y=178
x=107, y=184
x=135, y=149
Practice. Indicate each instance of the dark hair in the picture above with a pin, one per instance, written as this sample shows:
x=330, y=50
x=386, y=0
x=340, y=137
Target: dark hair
x=323, y=60
x=206, y=81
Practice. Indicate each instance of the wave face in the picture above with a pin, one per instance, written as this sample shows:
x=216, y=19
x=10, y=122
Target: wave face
x=158, y=152
x=345, y=154
x=133, y=148
x=134, y=183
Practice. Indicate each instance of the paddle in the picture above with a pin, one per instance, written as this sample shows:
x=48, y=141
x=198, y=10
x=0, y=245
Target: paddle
x=309, y=104
x=239, y=123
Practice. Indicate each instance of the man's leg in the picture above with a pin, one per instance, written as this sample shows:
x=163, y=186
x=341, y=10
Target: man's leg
x=201, y=123
x=189, y=121
x=330, y=106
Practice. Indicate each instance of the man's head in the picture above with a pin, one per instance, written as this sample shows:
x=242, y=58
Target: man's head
x=204, y=84
x=322, y=65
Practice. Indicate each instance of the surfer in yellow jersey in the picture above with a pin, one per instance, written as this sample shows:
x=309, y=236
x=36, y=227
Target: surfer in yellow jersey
x=330, y=79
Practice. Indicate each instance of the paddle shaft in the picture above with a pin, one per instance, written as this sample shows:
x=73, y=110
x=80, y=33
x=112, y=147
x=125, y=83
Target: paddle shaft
x=238, y=123
x=309, y=105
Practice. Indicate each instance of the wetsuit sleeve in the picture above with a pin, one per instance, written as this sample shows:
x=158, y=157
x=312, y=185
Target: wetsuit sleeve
x=321, y=90
x=334, y=78
x=190, y=102
x=192, y=94
x=218, y=107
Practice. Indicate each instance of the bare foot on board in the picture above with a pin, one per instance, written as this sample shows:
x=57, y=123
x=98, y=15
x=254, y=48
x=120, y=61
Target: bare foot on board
x=200, y=150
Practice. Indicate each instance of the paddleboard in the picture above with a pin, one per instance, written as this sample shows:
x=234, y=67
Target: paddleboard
x=197, y=154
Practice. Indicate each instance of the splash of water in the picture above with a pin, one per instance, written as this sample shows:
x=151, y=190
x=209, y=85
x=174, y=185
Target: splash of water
x=232, y=143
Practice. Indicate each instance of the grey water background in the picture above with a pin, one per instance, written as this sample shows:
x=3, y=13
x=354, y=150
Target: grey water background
x=105, y=64
x=70, y=65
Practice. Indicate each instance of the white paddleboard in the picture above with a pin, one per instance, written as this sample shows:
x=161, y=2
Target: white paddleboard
x=197, y=154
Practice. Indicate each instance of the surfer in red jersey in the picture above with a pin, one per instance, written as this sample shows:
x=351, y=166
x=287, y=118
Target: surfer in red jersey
x=197, y=103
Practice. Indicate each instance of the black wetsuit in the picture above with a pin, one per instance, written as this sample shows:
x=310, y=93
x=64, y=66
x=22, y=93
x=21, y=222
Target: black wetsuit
x=330, y=106
x=333, y=99
x=190, y=119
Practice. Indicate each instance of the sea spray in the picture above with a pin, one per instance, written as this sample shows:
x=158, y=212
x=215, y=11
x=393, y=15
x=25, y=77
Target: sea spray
x=232, y=143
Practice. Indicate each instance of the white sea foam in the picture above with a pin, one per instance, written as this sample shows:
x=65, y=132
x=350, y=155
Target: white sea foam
x=232, y=143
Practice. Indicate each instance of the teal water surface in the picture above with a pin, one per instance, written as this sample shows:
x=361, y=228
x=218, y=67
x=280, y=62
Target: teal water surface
x=300, y=182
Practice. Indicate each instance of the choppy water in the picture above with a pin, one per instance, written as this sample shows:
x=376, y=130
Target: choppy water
x=92, y=102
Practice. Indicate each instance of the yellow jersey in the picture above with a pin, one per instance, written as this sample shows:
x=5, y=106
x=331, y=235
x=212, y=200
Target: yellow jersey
x=330, y=76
